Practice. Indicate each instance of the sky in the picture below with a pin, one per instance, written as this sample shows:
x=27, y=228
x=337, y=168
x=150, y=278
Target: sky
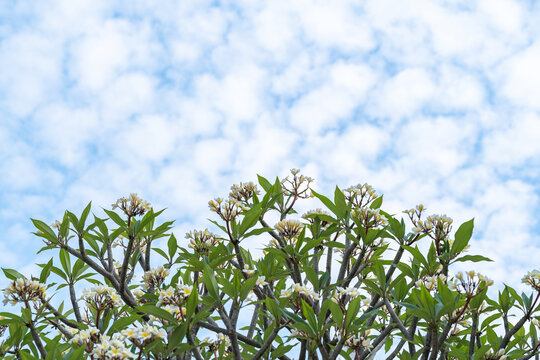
x=433, y=102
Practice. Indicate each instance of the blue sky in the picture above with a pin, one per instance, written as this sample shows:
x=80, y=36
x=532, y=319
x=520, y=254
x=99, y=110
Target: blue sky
x=429, y=101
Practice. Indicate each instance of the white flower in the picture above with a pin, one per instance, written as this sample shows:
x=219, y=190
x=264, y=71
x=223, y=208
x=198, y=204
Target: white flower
x=261, y=281
x=248, y=271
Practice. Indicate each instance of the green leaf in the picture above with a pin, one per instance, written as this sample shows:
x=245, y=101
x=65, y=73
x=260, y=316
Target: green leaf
x=122, y=323
x=277, y=252
x=116, y=218
x=352, y=310
x=299, y=323
x=45, y=231
x=161, y=252
x=77, y=353
x=312, y=276
x=80, y=226
x=177, y=335
x=250, y=219
x=264, y=183
x=416, y=254
x=27, y=356
x=78, y=268
x=12, y=274
x=281, y=350
x=337, y=313
x=59, y=272
x=157, y=312
x=473, y=258
x=309, y=314
x=64, y=226
x=247, y=286
x=378, y=271
x=340, y=202
x=172, y=244
x=45, y=272
x=192, y=302
x=463, y=235
x=376, y=204
x=210, y=283
x=323, y=279
x=65, y=261
x=329, y=204
x=149, y=219
x=333, y=244
x=255, y=232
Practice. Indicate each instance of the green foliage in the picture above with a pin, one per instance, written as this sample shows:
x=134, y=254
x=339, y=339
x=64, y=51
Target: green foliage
x=347, y=281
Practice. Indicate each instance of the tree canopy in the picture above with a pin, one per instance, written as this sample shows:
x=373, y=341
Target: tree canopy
x=344, y=281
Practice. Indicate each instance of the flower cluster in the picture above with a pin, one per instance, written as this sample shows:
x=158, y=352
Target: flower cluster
x=499, y=355
x=436, y=226
x=173, y=299
x=101, y=297
x=23, y=290
x=289, y=228
x=272, y=243
x=370, y=217
x=298, y=186
x=144, y=335
x=132, y=205
x=470, y=283
x=101, y=346
x=112, y=349
x=85, y=336
x=139, y=293
x=215, y=344
x=226, y=209
x=300, y=290
x=352, y=292
x=360, y=195
x=415, y=211
x=358, y=341
x=202, y=241
x=155, y=277
x=179, y=312
x=311, y=214
x=243, y=192
x=532, y=278
x=430, y=282
x=174, y=296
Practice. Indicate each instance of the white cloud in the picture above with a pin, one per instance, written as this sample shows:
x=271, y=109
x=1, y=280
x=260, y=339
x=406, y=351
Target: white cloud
x=504, y=15
x=403, y=94
x=63, y=133
x=237, y=95
x=427, y=101
x=127, y=94
x=147, y=139
x=513, y=144
x=31, y=69
x=519, y=78
x=99, y=56
x=457, y=90
x=344, y=89
x=335, y=25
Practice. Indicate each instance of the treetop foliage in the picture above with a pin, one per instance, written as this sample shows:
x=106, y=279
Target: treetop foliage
x=344, y=281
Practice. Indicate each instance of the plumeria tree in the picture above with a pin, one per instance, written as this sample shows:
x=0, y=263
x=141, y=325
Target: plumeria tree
x=347, y=281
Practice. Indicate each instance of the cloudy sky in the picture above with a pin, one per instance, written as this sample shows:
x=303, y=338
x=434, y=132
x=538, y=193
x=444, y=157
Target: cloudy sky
x=429, y=101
